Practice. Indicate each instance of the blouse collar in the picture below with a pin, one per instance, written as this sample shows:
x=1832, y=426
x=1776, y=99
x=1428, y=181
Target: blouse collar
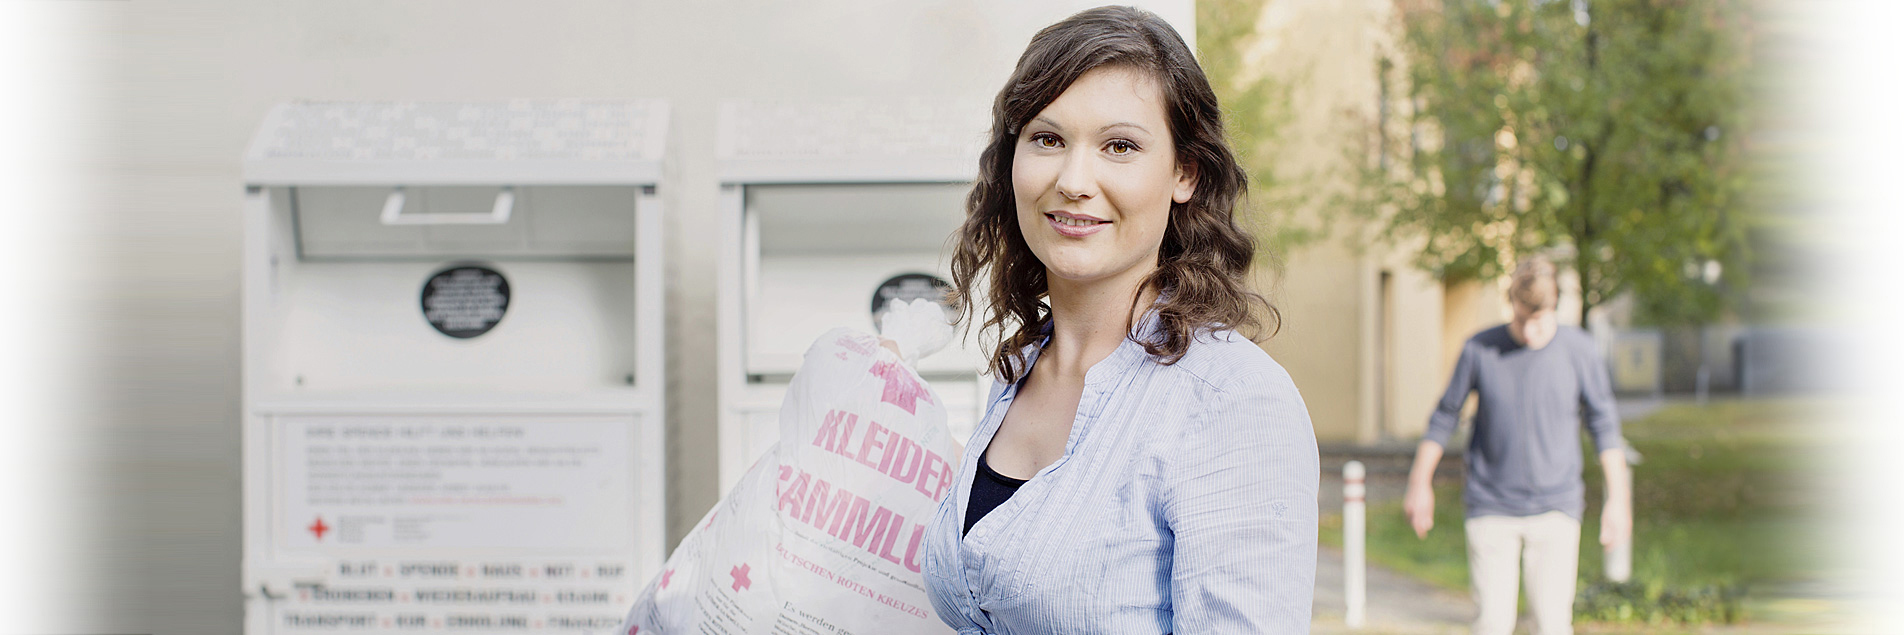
x=1129, y=352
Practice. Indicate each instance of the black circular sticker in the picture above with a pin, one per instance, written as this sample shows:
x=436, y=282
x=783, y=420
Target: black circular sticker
x=465, y=301
x=912, y=286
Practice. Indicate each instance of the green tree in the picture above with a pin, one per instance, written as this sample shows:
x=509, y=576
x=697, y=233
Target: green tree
x=1255, y=108
x=1613, y=127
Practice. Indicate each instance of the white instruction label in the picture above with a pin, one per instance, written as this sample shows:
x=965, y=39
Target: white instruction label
x=518, y=483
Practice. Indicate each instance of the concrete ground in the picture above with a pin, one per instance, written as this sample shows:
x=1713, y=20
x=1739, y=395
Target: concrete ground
x=1396, y=603
x=1401, y=605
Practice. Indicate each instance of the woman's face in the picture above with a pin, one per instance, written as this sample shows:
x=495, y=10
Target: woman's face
x=1094, y=175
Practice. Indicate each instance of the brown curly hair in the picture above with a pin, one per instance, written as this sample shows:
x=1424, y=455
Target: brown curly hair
x=1205, y=257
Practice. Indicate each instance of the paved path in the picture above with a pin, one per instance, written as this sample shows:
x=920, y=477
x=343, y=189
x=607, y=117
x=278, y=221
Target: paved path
x=1396, y=603
x=1403, y=605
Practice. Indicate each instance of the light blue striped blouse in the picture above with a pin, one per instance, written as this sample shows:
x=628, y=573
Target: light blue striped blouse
x=1185, y=503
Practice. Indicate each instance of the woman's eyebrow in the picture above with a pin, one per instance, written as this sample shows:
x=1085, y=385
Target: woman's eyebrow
x=1124, y=124
x=1107, y=127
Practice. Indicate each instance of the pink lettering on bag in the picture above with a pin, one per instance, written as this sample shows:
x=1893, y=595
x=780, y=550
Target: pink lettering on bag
x=940, y=471
x=829, y=435
x=892, y=535
x=815, y=498
x=846, y=437
x=912, y=548
x=794, y=497
x=905, y=460
x=925, y=472
x=842, y=501
x=854, y=345
x=871, y=442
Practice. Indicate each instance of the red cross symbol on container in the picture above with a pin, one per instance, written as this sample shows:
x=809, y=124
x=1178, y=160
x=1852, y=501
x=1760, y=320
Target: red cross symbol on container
x=740, y=578
x=318, y=528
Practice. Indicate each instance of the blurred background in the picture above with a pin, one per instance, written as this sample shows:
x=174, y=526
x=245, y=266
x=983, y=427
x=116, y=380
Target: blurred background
x=1706, y=172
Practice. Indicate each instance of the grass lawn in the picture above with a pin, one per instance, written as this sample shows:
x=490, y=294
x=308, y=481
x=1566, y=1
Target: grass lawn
x=1718, y=506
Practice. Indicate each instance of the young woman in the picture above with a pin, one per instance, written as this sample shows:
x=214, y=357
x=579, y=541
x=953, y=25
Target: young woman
x=1141, y=467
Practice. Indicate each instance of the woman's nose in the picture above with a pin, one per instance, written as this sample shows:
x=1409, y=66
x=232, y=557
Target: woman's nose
x=1075, y=179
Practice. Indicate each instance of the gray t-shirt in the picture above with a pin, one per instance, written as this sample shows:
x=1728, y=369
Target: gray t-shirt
x=1524, y=455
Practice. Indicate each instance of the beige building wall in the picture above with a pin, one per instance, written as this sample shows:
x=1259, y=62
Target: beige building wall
x=1369, y=339
x=1415, y=374
x=1321, y=341
x=1468, y=308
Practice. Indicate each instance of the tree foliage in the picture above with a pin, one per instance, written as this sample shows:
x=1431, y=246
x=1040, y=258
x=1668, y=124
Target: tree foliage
x=1612, y=129
x=1256, y=107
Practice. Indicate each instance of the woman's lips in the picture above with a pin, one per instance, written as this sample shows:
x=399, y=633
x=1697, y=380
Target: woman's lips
x=1074, y=231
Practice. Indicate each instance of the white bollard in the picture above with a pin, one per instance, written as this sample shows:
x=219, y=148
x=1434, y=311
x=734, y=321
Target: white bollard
x=1619, y=556
x=1702, y=384
x=1354, y=568
x=1619, y=561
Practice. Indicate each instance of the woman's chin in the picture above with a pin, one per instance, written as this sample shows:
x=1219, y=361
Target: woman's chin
x=1087, y=270
x=1079, y=275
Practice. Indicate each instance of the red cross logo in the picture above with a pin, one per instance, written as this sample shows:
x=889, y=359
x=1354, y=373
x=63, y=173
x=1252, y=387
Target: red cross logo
x=901, y=389
x=740, y=578
x=318, y=528
x=665, y=575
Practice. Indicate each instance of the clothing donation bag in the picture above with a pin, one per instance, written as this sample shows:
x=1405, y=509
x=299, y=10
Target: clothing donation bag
x=823, y=534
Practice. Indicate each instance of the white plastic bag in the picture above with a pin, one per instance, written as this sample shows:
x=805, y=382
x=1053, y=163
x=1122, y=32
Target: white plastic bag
x=823, y=535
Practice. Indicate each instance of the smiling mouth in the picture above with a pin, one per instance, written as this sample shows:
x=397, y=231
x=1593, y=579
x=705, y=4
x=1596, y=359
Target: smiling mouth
x=1075, y=222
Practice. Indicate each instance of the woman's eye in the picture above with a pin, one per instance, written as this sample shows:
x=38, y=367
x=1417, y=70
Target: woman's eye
x=1121, y=147
x=1046, y=141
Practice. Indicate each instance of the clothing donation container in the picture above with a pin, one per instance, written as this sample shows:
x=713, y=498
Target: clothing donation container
x=452, y=366
x=828, y=209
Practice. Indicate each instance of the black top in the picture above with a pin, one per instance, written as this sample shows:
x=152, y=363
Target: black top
x=989, y=490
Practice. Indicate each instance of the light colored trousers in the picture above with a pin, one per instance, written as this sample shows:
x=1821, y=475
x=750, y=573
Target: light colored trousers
x=1545, y=546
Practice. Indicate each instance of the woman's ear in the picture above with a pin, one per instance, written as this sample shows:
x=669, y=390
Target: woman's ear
x=1186, y=182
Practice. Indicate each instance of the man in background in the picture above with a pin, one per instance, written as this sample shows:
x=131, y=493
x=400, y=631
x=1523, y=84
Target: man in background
x=1535, y=380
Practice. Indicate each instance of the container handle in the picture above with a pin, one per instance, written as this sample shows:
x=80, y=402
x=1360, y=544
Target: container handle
x=498, y=215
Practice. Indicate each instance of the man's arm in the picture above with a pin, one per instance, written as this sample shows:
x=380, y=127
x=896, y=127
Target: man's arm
x=1603, y=424
x=1616, y=518
x=1419, y=502
x=1596, y=402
